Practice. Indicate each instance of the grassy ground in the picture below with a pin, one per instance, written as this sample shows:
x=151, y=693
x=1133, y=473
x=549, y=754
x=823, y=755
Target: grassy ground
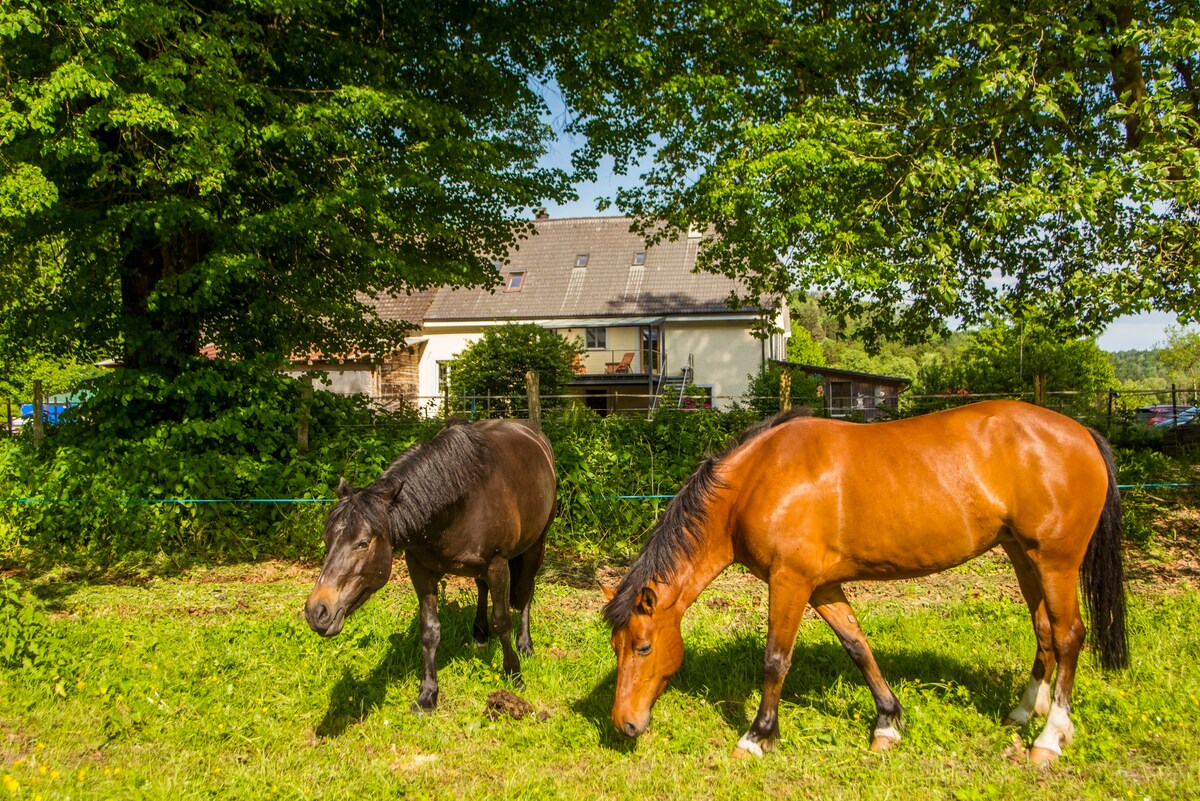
x=208, y=683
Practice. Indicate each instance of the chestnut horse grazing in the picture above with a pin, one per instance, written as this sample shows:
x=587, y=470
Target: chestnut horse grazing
x=475, y=501
x=809, y=504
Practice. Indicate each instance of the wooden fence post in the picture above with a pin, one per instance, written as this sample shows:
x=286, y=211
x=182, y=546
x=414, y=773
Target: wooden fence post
x=306, y=393
x=39, y=430
x=785, y=389
x=1039, y=389
x=535, y=399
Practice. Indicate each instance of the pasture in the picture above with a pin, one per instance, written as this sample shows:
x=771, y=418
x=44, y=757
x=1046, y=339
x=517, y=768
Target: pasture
x=206, y=682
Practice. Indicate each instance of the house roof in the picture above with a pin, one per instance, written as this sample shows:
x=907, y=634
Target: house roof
x=852, y=375
x=610, y=285
x=410, y=308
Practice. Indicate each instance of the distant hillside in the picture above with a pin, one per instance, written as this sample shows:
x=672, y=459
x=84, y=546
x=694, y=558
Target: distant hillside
x=1139, y=365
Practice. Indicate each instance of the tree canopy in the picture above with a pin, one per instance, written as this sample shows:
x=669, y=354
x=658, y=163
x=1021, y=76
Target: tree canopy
x=914, y=161
x=496, y=363
x=252, y=173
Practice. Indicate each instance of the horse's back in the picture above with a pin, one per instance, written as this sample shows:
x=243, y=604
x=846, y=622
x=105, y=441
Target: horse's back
x=914, y=496
x=518, y=492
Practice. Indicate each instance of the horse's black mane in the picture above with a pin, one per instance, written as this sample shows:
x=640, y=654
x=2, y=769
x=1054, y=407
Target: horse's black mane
x=675, y=537
x=422, y=482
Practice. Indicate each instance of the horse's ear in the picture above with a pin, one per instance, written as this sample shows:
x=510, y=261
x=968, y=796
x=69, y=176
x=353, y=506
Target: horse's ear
x=344, y=490
x=609, y=592
x=644, y=603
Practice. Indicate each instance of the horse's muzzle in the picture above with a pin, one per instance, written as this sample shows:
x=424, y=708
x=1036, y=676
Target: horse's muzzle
x=323, y=617
x=631, y=727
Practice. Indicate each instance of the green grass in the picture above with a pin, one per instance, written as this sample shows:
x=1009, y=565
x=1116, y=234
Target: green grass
x=211, y=685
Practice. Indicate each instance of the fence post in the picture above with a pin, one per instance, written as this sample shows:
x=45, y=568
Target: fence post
x=39, y=430
x=535, y=399
x=785, y=389
x=306, y=393
x=8, y=418
x=1039, y=389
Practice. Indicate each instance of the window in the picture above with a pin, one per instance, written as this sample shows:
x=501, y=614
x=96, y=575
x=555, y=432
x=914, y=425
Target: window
x=639, y=258
x=443, y=377
x=515, y=282
x=595, y=338
x=581, y=260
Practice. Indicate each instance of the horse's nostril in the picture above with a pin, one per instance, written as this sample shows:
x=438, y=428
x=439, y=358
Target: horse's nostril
x=630, y=729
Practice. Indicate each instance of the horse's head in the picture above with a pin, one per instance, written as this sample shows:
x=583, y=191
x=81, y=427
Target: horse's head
x=649, y=648
x=358, y=559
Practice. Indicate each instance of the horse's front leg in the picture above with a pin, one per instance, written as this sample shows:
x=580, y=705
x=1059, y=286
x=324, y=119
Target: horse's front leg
x=788, y=595
x=831, y=604
x=498, y=580
x=426, y=585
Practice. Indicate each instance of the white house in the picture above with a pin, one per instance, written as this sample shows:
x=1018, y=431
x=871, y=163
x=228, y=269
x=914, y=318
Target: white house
x=646, y=319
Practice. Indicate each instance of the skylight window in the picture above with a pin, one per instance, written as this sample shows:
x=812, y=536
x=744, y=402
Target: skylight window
x=639, y=258
x=581, y=260
x=515, y=282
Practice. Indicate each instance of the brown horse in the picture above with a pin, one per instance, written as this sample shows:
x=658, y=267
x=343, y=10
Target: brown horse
x=809, y=504
x=475, y=501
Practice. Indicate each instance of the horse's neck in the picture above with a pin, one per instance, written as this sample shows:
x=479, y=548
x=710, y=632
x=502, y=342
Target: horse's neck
x=714, y=553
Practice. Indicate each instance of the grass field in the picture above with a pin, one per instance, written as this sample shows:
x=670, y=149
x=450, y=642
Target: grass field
x=207, y=683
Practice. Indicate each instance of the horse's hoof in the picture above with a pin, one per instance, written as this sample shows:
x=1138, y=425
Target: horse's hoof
x=883, y=744
x=1012, y=723
x=741, y=753
x=1042, y=757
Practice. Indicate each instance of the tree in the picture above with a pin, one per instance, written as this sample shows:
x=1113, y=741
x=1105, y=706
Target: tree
x=1182, y=355
x=914, y=161
x=496, y=363
x=1004, y=358
x=252, y=174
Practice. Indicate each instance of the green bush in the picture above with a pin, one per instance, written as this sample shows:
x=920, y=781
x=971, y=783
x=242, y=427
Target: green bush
x=221, y=431
x=27, y=641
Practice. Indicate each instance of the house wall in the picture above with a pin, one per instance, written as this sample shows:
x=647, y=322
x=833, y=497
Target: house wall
x=350, y=378
x=723, y=354
x=442, y=345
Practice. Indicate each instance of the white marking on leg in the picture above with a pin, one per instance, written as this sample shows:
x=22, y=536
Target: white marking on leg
x=1036, y=701
x=1059, y=730
x=889, y=732
x=746, y=744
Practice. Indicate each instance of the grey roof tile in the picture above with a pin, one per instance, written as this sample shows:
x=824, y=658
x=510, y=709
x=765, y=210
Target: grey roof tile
x=610, y=284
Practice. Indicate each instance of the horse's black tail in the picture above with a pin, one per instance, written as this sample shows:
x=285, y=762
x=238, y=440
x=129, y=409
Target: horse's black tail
x=1103, y=574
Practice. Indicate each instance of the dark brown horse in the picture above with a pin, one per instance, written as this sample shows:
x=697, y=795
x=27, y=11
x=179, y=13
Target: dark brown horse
x=474, y=501
x=809, y=504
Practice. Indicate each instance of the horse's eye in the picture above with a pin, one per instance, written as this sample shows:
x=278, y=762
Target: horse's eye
x=361, y=545
x=643, y=650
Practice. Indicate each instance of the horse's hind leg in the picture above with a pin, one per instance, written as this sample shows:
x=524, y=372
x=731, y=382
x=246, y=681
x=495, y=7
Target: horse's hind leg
x=1036, y=700
x=831, y=604
x=1067, y=631
x=480, y=628
x=524, y=568
x=498, y=580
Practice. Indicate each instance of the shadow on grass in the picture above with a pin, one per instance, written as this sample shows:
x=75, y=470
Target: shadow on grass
x=708, y=674
x=596, y=707
x=354, y=698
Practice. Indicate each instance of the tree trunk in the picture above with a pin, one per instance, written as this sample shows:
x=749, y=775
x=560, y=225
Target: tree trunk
x=161, y=330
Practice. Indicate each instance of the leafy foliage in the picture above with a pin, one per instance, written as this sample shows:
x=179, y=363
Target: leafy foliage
x=252, y=174
x=764, y=389
x=26, y=639
x=915, y=162
x=496, y=363
x=219, y=431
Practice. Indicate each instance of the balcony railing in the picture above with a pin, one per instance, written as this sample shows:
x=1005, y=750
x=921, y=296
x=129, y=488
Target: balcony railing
x=611, y=362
